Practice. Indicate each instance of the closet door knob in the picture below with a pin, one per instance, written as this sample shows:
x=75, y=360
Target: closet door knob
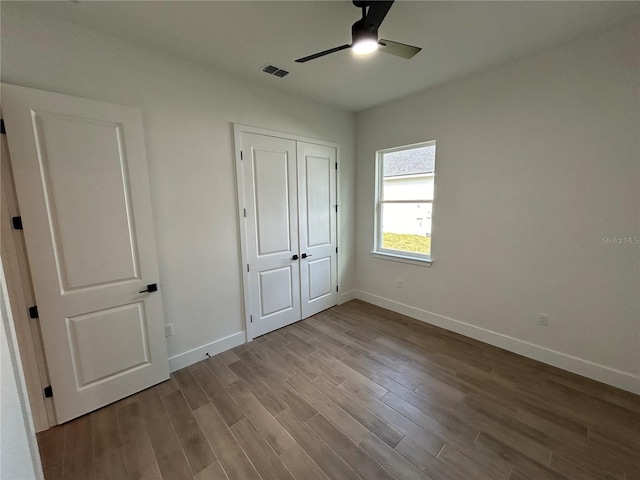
x=304, y=255
x=295, y=257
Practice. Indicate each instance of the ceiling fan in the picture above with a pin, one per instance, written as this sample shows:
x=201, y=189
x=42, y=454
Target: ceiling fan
x=364, y=34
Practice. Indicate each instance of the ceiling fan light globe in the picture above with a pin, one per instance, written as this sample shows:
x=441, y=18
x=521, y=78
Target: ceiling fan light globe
x=364, y=46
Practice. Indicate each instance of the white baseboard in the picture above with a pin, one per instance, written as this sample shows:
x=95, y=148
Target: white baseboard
x=610, y=376
x=346, y=297
x=195, y=355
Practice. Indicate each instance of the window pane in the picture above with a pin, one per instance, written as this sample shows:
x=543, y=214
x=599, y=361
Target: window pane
x=408, y=174
x=408, y=187
x=407, y=227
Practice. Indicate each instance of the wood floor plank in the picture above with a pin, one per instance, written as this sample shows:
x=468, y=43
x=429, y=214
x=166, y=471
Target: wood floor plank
x=626, y=440
x=432, y=384
x=345, y=422
x=492, y=470
x=444, y=428
x=78, y=452
x=110, y=465
x=375, y=424
x=393, y=462
x=220, y=369
x=430, y=442
x=138, y=452
x=297, y=344
x=226, y=405
x=330, y=463
x=504, y=426
x=288, y=395
x=51, y=446
x=190, y=388
x=168, y=451
x=193, y=441
x=232, y=458
x=105, y=430
x=552, y=423
x=623, y=399
x=355, y=377
x=350, y=452
x=212, y=472
x=358, y=360
x=262, y=392
x=523, y=463
x=228, y=357
x=259, y=452
x=261, y=418
x=245, y=356
x=571, y=470
x=438, y=469
x=299, y=365
x=55, y=472
x=301, y=464
x=166, y=445
x=151, y=406
x=269, y=358
x=165, y=388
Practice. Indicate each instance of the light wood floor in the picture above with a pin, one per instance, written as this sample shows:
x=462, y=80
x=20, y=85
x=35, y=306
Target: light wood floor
x=357, y=392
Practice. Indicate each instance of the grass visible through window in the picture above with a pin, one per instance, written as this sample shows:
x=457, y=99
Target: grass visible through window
x=407, y=242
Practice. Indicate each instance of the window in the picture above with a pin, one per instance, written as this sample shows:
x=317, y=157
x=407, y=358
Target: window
x=404, y=203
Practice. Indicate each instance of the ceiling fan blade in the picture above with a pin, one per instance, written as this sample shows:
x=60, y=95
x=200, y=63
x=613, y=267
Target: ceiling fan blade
x=398, y=49
x=376, y=13
x=322, y=54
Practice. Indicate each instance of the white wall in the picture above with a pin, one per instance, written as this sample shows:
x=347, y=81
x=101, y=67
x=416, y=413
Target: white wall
x=537, y=161
x=188, y=111
x=19, y=457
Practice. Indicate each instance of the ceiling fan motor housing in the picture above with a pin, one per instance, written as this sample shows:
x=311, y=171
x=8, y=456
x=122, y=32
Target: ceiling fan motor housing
x=360, y=32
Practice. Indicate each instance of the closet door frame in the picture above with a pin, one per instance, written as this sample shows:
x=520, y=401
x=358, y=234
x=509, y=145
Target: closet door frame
x=238, y=129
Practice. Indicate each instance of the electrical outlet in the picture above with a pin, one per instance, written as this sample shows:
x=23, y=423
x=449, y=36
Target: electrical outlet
x=399, y=283
x=168, y=330
x=543, y=319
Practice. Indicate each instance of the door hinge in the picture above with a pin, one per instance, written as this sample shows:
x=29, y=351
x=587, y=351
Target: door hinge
x=336, y=165
x=247, y=267
x=241, y=155
x=251, y=318
x=336, y=249
x=337, y=288
x=336, y=208
x=3, y=129
x=245, y=212
x=48, y=392
x=33, y=312
x=17, y=223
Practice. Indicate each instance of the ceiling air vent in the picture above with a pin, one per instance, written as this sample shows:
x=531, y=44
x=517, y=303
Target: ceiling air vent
x=273, y=70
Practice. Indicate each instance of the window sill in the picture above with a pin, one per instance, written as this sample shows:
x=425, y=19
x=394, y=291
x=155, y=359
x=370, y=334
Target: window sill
x=394, y=257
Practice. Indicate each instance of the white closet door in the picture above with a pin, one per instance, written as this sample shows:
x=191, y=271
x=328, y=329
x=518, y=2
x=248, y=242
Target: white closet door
x=318, y=239
x=81, y=179
x=270, y=189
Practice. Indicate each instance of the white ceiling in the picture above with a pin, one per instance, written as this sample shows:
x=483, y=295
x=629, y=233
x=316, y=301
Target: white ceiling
x=240, y=36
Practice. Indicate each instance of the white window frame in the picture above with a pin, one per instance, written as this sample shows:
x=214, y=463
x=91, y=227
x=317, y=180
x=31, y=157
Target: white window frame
x=378, y=250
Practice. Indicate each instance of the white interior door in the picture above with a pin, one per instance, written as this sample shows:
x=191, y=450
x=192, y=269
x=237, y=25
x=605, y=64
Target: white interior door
x=270, y=189
x=318, y=239
x=81, y=179
x=288, y=200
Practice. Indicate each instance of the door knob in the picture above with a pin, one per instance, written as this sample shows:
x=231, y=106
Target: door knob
x=295, y=257
x=304, y=255
x=152, y=287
